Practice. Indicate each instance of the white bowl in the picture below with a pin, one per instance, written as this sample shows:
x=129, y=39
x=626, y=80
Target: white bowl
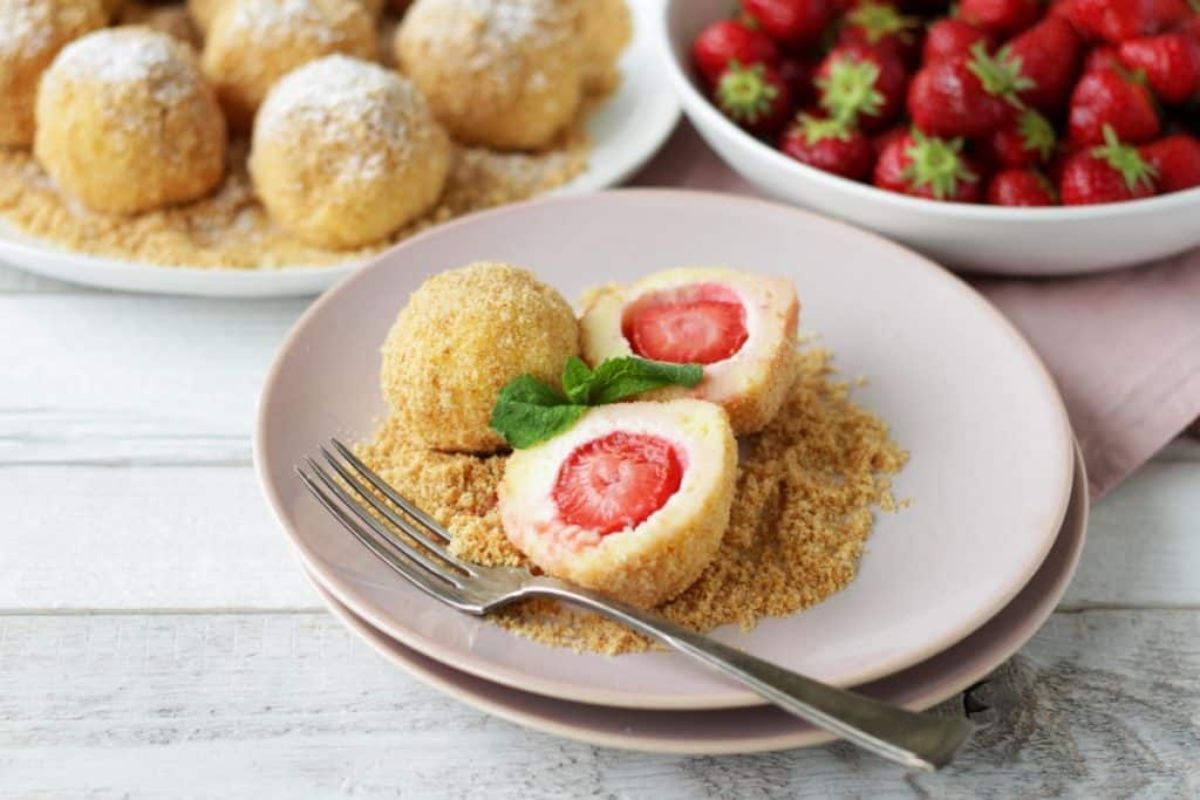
x=1015, y=241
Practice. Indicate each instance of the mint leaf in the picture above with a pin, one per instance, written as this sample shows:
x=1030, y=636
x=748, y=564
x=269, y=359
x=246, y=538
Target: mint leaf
x=529, y=411
x=576, y=378
x=618, y=378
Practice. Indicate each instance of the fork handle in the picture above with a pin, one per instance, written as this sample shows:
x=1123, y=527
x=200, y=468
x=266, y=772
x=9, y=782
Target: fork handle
x=913, y=739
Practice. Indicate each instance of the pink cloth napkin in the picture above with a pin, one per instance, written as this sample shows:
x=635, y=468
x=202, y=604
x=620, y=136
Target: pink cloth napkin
x=1124, y=346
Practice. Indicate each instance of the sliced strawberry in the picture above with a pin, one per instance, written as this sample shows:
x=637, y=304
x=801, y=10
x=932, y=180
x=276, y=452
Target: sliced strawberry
x=701, y=325
x=1021, y=187
x=1047, y=56
x=926, y=166
x=965, y=96
x=1001, y=18
x=952, y=38
x=615, y=482
x=726, y=41
x=861, y=85
x=1176, y=159
x=1111, y=97
x=756, y=97
x=1108, y=173
x=1170, y=62
x=795, y=23
x=1025, y=142
x=831, y=145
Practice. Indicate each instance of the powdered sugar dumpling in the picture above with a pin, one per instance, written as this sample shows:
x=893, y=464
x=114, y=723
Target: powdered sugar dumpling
x=505, y=74
x=31, y=34
x=126, y=122
x=345, y=152
x=251, y=44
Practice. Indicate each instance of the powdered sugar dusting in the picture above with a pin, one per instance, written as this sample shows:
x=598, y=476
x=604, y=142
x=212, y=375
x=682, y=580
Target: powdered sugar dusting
x=127, y=56
x=24, y=26
x=267, y=18
x=492, y=32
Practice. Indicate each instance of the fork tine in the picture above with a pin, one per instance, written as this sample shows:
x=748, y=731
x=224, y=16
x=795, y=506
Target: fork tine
x=394, y=542
x=390, y=493
x=400, y=522
x=439, y=590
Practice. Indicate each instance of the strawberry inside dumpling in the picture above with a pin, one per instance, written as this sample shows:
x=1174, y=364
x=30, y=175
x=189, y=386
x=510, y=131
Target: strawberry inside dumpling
x=631, y=501
x=740, y=327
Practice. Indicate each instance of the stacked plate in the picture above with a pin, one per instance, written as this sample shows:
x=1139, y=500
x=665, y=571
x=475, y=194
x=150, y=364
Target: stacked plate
x=950, y=586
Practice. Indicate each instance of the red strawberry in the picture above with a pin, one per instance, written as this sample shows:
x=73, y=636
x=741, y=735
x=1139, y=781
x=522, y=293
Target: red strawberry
x=881, y=26
x=726, y=41
x=1048, y=56
x=791, y=22
x=699, y=330
x=1107, y=173
x=1117, y=20
x=1021, y=187
x=1170, y=62
x=829, y=144
x=1028, y=140
x=861, y=84
x=797, y=73
x=952, y=38
x=1102, y=56
x=1176, y=159
x=616, y=481
x=755, y=97
x=1000, y=18
x=964, y=97
x=926, y=166
x=1111, y=97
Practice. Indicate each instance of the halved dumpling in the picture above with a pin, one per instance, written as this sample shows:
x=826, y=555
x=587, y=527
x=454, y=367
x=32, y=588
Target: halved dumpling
x=741, y=327
x=631, y=501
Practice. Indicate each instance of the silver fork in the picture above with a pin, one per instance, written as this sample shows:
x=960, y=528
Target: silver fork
x=913, y=739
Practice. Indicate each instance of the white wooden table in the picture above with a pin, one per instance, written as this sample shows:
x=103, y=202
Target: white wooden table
x=159, y=640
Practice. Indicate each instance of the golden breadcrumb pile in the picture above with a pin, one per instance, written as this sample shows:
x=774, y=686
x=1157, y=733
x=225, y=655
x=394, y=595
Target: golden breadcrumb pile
x=807, y=488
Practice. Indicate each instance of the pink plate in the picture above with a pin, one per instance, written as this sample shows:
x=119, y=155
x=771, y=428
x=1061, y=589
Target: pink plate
x=750, y=730
x=989, y=477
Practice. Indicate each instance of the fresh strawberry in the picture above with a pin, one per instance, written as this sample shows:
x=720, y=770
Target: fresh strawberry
x=952, y=38
x=1170, y=62
x=616, y=481
x=1176, y=159
x=965, y=96
x=1048, y=57
x=1111, y=97
x=1102, y=56
x=755, y=97
x=1001, y=18
x=926, y=166
x=1025, y=142
x=726, y=41
x=1117, y=20
x=832, y=145
x=881, y=141
x=796, y=23
x=881, y=26
x=1021, y=187
x=798, y=73
x=862, y=85
x=701, y=329
x=1107, y=173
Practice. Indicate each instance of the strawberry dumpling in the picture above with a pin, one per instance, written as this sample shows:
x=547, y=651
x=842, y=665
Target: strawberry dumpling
x=740, y=327
x=631, y=501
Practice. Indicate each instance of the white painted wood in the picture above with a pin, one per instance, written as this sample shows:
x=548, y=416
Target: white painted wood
x=115, y=379
x=1101, y=704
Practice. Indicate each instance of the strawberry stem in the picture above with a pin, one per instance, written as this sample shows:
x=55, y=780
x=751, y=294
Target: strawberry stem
x=1037, y=134
x=818, y=129
x=936, y=163
x=744, y=93
x=879, y=20
x=1125, y=159
x=849, y=89
x=1000, y=74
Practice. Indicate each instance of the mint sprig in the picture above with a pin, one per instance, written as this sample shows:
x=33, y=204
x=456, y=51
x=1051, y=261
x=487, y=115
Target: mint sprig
x=528, y=411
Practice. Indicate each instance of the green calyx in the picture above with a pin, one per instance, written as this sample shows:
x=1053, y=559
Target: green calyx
x=937, y=164
x=878, y=20
x=818, y=129
x=849, y=89
x=1037, y=134
x=744, y=93
x=1000, y=74
x=1125, y=159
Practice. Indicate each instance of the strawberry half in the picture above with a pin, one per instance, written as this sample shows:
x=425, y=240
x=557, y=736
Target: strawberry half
x=882, y=26
x=862, y=85
x=726, y=41
x=1108, y=173
x=965, y=97
x=1025, y=142
x=1021, y=187
x=1047, y=56
x=1001, y=18
x=756, y=97
x=796, y=23
x=700, y=330
x=926, y=166
x=831, y=145
x=950, y=38
x=1111, y=98
x=1170, y=62
x=617, y=481
x=1176, y=160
